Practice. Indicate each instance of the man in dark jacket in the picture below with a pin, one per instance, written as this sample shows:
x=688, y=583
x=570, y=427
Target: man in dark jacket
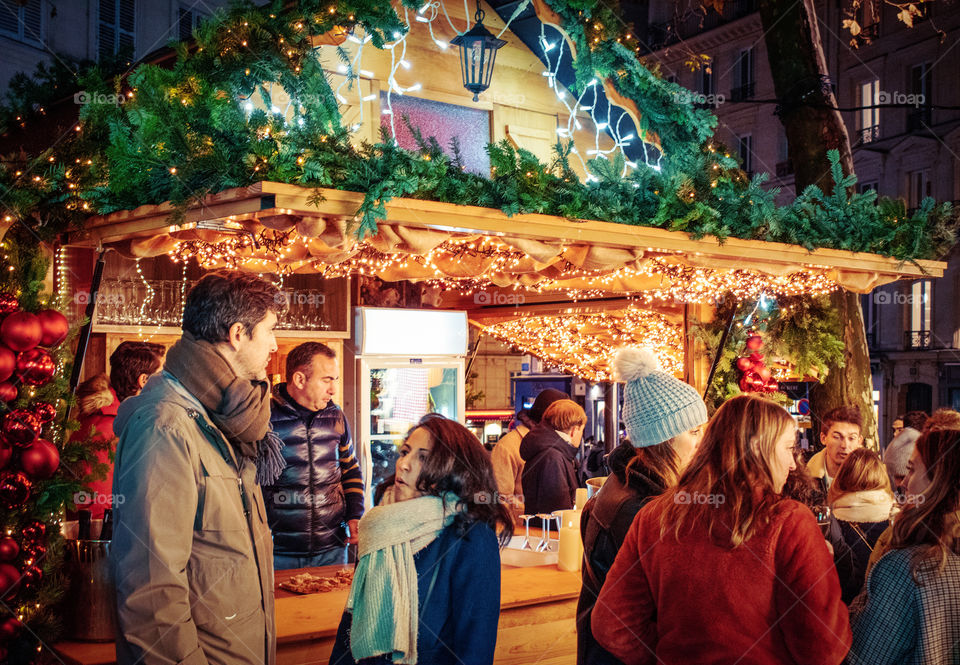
x=548, y=450
x=319, y=494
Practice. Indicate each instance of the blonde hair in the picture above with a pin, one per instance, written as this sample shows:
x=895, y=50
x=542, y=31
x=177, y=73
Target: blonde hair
x=732, y=467
x=662, y=459
x=862, y=471
x=564, y=414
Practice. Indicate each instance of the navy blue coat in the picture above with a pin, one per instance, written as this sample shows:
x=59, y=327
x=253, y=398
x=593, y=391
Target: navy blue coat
x=458, y=622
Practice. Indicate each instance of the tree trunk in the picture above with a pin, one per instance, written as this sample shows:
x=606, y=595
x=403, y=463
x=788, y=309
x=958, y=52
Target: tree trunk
x=801, y=80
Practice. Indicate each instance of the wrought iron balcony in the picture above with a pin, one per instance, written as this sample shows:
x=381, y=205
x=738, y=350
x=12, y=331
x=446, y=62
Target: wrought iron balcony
x=918, y=339
x=868, y=135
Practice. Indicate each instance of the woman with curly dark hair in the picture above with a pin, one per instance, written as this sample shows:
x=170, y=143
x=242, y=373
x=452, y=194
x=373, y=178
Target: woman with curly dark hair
x=427, y=584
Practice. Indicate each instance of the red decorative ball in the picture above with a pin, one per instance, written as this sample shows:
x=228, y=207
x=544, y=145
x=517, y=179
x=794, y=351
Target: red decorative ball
x=771, y=386
x=35, y=367
x=756, y=357
x=8, y=303
x=15, y=489
x=45, y=411
x=31, y=577
x=8, y=391
x=6, y=452
x=9, y=580
x=54, y=326
x=9, y=549
x=34, y=531
x=8, y=363
x=10, y=628
x=20, y=427
x=764, y=373
x=744, y=364
x=40, y=460
x=754, y=342
x=34, y=550
x=21, y=331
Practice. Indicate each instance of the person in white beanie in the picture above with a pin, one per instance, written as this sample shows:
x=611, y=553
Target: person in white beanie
x=898, y=452
x=664, y=418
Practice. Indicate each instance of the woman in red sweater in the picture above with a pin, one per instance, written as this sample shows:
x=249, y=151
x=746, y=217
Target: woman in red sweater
x=720, y=569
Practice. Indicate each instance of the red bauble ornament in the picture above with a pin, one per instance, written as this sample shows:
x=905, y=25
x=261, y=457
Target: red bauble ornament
x=6, y=452
x=10, y=628
x=34, y=531
x=34, y=551
x=744, y=364
x=754, y=342
x=15, y=489
x=9, y=580
x=21, y=331
x=40, y=460
x=8, y=391
x=54, y=326
x=20, y=427
x=35, y=367
x=45, y=411
x=756, y=357
x=9, y=549
x=764, y=373
x=771, y=386
x=31, y=577
x=8, y=303
x=8, y=363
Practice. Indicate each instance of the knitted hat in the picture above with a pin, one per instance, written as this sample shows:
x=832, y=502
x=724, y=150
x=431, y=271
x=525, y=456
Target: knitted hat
x=898, y=452
x=545, y=399
x=656, y=406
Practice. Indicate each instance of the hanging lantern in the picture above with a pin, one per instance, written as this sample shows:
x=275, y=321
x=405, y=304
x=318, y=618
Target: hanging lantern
x=478, y=51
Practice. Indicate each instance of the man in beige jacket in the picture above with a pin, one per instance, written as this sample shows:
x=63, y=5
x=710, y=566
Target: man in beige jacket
x=191, y=553
x=507, y=463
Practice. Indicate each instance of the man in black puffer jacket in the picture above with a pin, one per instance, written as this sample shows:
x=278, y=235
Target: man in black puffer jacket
x=319, y=495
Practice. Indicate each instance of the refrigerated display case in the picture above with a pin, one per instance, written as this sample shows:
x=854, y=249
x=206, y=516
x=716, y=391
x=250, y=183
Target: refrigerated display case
x=399, y=383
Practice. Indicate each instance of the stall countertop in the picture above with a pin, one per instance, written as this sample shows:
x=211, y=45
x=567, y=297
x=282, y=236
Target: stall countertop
x=317, y=615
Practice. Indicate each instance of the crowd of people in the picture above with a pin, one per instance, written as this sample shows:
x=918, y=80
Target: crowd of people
x=700, y=547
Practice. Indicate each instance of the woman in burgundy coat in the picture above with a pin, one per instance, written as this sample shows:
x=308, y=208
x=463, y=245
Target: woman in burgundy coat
x=720, y=569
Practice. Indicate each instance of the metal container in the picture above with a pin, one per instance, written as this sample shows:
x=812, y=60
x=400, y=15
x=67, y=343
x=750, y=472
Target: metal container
x=91, y=600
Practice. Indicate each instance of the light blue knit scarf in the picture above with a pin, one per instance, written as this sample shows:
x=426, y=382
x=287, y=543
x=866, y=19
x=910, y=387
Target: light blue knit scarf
x=384, y=599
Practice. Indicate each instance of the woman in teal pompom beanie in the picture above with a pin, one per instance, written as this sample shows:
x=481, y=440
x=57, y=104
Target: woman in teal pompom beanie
x=664, y=418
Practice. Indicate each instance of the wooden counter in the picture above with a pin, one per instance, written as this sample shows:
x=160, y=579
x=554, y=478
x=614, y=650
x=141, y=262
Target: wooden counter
x=537, y=611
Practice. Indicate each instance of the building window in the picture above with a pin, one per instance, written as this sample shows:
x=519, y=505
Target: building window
x=921, y=299
x=22, y=20
x=745, y=151
x=784, y=166
x=920, y=95
x=867, y=186
x=117, y=28
x=868, y=117
x=743, y=84
x=188, y=18
x=919, y=187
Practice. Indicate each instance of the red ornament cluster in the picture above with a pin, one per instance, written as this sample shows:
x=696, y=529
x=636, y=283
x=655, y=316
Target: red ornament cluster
x=755, y=376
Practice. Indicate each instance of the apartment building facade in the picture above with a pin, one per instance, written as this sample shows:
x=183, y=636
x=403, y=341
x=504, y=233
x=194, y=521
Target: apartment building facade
x=899, y=88
x=43, y=30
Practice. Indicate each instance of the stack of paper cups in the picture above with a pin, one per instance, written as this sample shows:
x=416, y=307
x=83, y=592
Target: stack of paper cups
x=570, y=555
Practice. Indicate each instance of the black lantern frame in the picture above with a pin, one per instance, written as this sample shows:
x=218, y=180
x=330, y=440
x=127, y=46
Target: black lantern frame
x=478, y=52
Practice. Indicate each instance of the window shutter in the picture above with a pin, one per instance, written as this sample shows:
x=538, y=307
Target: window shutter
x=185, y=24
x=9, y=17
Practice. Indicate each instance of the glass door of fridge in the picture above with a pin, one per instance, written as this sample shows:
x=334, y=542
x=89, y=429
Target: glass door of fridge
x=396, y=397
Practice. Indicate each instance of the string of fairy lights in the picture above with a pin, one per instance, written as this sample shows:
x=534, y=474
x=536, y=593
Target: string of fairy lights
x=499, y=263
x=584, y=344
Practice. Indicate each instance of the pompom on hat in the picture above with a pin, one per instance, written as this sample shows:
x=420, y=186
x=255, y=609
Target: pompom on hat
x=656, y=406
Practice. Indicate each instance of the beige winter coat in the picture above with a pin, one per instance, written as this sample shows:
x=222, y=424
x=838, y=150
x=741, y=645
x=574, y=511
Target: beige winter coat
x=508, y=469
x=191, y=549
